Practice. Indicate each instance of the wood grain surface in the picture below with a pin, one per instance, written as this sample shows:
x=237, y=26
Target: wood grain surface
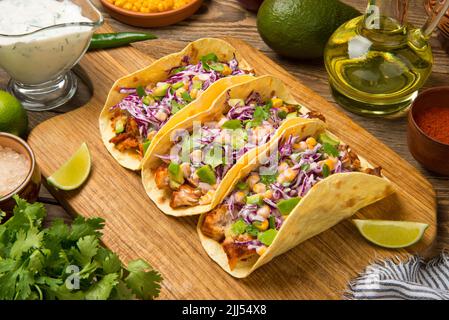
x=136, y=228
x=226, y=18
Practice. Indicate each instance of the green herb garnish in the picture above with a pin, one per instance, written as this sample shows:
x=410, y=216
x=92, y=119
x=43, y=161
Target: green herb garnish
x=207, y=59
x=242, y=185
x=260, y=114
x=186, y=97
x=141, y=92
x=326, y=171
x=252, y=230
x=268, y=179
x=38, y=262
x=330, y=150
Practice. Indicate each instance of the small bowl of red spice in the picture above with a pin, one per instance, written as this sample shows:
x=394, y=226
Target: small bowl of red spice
x=428, y=129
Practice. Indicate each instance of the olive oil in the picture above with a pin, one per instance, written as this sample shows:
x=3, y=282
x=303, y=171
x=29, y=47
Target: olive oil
x=377, y=71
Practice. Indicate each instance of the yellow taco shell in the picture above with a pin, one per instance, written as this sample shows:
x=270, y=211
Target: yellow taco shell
x=266, y=86
x=157, y=72
x=328, y=202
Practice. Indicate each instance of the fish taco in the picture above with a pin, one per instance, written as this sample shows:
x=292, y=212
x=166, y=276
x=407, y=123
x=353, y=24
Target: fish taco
x=302, y=184
x=145, y=104
x=184, y=169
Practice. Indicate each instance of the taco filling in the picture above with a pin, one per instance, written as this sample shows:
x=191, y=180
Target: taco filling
x=248, y=220
x=139, y=116
x=200, y=159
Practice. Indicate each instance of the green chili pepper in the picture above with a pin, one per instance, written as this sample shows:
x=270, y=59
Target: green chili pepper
x=117, y=39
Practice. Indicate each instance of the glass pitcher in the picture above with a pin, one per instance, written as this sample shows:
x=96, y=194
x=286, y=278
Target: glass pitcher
x=39, y=61
x=377, y=62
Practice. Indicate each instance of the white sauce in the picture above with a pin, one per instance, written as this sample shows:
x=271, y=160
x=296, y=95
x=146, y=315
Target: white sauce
x=41, y=56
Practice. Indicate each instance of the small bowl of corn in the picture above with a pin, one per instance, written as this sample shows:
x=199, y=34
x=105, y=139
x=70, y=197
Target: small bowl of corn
x=151, y=13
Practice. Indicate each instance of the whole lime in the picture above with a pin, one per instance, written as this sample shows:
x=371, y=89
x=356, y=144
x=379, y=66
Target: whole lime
x=300, y=28
x=13, y=117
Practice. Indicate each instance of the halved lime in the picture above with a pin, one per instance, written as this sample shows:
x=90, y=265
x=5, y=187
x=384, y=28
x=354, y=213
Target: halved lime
x=391, y=234
x=74, y=172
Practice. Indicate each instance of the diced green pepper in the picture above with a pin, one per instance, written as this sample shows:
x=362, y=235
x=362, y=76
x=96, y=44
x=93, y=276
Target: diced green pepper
x=175, y=173
x=272, y=222
x=238, y=227
x=242, y=185
x=161, y=90
x=206, y=174
x=325, y=138
x=178, y=85
x=267, y=237
x=326, y=171
x=255, y=199
x=287, y=205
x=282, y=114
x=119, y=126
x=145, y=146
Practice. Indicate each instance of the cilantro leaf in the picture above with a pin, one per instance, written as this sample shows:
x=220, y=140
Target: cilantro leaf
x=40, y=263
x=268, y=179
x=141, y=92
x=260, y=114
x=208, y=58
x=186, y=97
x=142, y=280
x=101, y=290
x=252, y=230
x=330, y=150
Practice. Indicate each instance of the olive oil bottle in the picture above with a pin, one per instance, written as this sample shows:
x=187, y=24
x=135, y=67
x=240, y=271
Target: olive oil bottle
x=377, y=62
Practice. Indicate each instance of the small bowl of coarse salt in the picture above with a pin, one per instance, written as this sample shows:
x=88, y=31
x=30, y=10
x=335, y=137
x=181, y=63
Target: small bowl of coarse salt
x=19, y=173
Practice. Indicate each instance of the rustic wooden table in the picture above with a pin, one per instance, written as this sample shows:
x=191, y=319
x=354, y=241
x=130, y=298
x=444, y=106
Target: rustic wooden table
x=220, y=18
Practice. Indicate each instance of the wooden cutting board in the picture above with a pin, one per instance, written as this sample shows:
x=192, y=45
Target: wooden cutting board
x=320, y=268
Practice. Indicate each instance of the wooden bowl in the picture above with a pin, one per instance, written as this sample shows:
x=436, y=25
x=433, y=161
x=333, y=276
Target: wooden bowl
x=29, y=188
x=432, y=154
x=159, y=19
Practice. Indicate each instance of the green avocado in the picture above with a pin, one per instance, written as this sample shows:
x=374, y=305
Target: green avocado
x=286, y=206
x=300, y=28
x=325, y=138
x=175, y=173
x=206, y=174
x=255, y=199
x=161, y=90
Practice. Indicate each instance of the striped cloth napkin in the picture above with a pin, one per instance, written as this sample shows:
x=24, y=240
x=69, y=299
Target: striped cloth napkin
x=414, y=279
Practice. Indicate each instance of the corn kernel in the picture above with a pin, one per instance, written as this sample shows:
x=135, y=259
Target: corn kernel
x=150, y=6
x=239, y=197
x=259, y=188
x=262, y=225
x=226, y=70
x=277, y=103
x=261, y=250
x=194, y=93
x=311, y=142
x=253, y=179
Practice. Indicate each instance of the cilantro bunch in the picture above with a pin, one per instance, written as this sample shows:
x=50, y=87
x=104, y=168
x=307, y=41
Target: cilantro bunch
x=62, y=262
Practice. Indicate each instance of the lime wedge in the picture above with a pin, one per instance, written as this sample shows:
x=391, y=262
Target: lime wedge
x=391, y=234
x=74, y=172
